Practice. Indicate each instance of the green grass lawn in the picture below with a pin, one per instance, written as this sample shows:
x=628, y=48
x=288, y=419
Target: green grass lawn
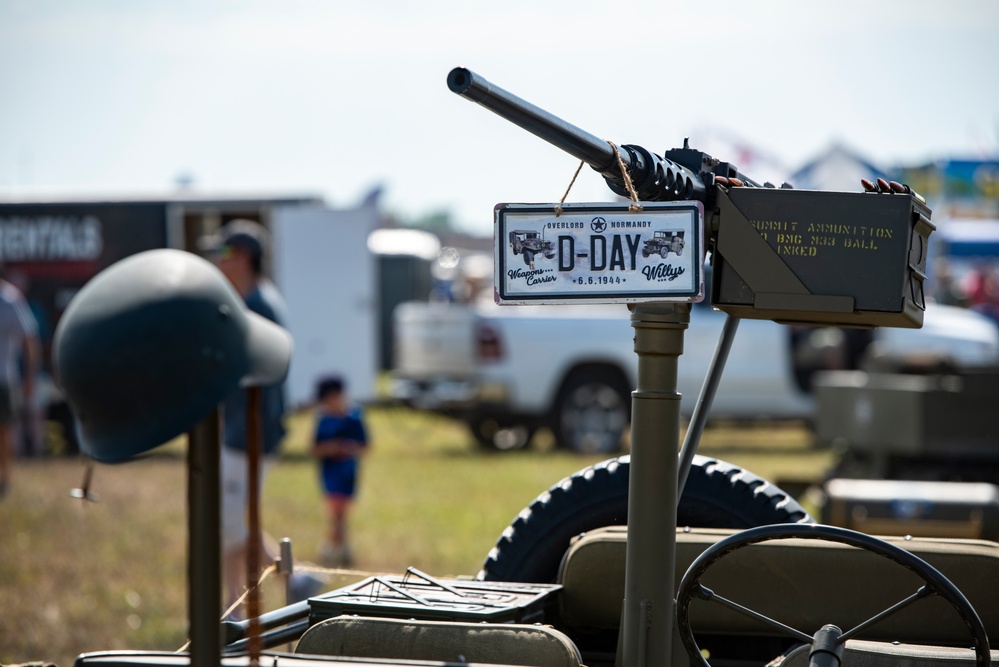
x=80, y=577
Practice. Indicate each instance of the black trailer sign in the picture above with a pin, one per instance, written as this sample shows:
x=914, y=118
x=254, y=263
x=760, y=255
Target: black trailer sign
x=599, y=253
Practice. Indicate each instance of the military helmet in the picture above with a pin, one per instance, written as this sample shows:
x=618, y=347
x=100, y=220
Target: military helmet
x=152, y=344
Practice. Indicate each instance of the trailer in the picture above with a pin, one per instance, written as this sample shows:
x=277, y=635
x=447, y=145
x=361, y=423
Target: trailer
x=319, y=259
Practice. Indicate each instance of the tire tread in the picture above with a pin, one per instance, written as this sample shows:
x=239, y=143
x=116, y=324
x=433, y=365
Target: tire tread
x=717, y=495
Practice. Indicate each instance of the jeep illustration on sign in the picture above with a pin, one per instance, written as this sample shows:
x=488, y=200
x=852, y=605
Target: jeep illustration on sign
x=664, y=242
x=530, y=243
x=600, y=253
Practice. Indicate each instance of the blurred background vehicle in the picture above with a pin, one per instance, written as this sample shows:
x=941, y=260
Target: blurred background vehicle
x=508, y=371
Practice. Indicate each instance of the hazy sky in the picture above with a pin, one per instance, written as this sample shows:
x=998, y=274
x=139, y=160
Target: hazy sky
x=332, y=98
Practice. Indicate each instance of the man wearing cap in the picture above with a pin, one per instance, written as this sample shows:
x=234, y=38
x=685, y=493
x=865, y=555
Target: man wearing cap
x=239, y=253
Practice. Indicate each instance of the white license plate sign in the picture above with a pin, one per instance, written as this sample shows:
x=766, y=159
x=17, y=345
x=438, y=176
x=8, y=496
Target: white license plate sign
x=599, y=253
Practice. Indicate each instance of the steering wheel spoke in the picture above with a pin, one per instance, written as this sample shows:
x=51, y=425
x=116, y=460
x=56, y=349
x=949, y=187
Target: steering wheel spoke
x=935, y=584
x=923, y=592
x=705, y=593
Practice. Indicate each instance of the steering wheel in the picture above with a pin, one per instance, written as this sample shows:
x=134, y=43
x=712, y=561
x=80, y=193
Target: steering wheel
x=829, y=639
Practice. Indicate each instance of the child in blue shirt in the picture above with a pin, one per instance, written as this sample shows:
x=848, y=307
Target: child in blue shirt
x=340, y=440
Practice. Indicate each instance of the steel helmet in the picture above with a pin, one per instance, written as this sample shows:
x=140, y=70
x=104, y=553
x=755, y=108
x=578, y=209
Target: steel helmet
x=152, y=344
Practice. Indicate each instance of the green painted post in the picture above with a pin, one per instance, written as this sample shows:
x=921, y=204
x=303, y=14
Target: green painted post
x=204, y=545
x=647, y=623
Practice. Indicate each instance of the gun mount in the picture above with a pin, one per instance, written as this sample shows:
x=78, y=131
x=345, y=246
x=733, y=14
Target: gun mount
x=793, y=256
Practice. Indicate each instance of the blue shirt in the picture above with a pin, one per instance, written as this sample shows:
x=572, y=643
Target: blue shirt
x=266, y=302
x=345, y=427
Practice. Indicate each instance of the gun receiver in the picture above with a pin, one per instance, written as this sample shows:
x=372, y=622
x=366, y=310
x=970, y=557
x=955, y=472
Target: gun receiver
x=682, y=174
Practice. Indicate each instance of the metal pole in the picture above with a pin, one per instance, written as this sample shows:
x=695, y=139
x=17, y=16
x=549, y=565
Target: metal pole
x=253, y=454
x=204, y=543
x=707, y=396
x=286, y=567
x=647, y=623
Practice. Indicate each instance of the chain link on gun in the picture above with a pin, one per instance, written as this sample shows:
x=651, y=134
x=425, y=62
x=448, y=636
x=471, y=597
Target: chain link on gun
x=882, y=186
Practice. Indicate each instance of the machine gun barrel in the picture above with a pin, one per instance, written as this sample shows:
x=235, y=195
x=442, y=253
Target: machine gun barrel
x=655, y=178
x=575, y=141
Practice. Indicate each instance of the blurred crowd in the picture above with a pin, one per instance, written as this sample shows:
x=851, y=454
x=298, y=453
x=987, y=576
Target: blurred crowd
x=976, y=288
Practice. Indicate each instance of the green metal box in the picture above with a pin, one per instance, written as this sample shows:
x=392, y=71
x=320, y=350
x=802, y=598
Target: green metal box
x=950, y=417
x=827, y=258
x=917, y=508
x=417, y=595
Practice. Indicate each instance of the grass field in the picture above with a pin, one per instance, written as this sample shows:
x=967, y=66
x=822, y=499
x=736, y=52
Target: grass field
x=80, y=577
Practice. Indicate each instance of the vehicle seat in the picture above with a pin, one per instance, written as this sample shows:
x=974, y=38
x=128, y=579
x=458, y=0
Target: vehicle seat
x=807, y=583
x=496, y=643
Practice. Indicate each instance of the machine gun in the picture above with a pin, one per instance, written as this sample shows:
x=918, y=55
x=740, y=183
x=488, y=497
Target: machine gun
x=792, y=256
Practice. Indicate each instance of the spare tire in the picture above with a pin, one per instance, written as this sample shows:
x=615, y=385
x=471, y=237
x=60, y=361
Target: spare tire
x=717, y=495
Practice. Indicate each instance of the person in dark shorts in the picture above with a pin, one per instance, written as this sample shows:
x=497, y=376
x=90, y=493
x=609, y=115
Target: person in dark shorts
x=339, y=442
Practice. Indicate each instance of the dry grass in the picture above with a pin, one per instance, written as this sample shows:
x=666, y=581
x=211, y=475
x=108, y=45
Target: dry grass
x=111, y=575
x=79, y=577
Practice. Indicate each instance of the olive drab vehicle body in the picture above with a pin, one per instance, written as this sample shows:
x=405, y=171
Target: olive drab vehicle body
x=664, y=557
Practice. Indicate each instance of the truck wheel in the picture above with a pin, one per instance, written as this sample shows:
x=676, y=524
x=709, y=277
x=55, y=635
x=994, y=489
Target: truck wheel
x=592, y=411
x=717, y=495
x=663, y=252
x=500, y=435
x=529, y=258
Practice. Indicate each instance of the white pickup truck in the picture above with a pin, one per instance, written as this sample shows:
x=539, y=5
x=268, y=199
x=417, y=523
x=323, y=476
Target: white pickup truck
x=508, y=370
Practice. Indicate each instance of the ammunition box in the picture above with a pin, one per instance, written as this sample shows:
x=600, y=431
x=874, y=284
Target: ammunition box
x=946, y=417
x=428, y=598
x=821, y=258
x=921, y=509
